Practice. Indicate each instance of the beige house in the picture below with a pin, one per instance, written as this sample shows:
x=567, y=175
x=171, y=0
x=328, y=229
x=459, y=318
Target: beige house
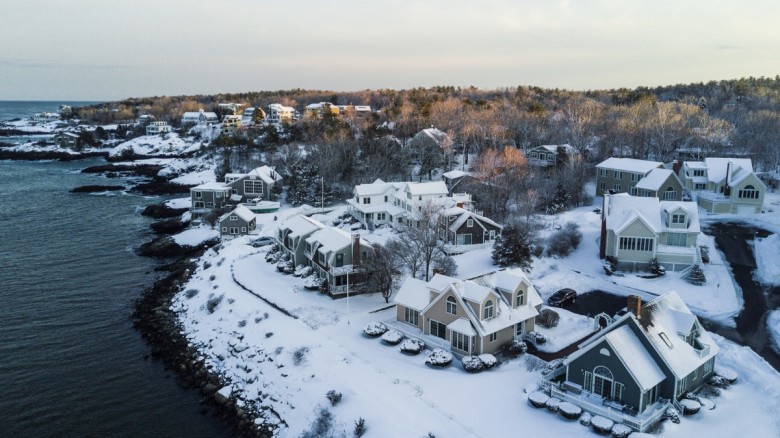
x=635, y=230
x=468, y=317
x=724, y=185
x=292, y=234
x=230, y=124
x=278, y=113
x=659, y=183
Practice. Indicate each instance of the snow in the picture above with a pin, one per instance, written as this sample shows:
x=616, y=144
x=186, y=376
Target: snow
x=602, y=423
x=636, y=357
x=179, y=203
x=393, y=337
x=767, y=252
x=195, y=236
x=413, y=294
x=773, y=326
x=629, y=165
x=570, y=409
x=539, y=398
x=571, y=328
x=168, y=144
x=654, y=179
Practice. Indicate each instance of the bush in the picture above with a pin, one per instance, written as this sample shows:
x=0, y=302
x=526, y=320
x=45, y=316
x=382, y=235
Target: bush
x=360, y=428
x=333, y=396
x=374, y=329
x=472, y=364
x=696, y=276
x=412, y=346
x=621, y=431
x=553, y=404
x=610, y=265
x=313, y=283
x=672, y=415
x=585, y=419
x=548, y=318
x=299, y=356
x=570, y=410
x=439, y=358
x=655, y=268
x=538, y=338
x=538, y=399
x=488, y=360
x=562, y=243
x=601, y=424
x=393, y=337
x=189, y=293
x=213, y=302
x=321, y=426
x=513, y=349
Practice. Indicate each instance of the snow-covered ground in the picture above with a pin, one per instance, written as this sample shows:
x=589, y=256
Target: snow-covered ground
x=773, y=327
x=195, y=236
x=767, y=252
x=290, y=364
x=570, y=329
x=166, y=144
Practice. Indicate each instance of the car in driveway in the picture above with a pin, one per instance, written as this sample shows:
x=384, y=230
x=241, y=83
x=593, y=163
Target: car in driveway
x=562, y=298
x=262, y=241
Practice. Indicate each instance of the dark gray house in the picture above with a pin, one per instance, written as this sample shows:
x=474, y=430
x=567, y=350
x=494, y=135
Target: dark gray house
x=639, y=365
x=256, y=184
x=239, y=222
x=461, y=230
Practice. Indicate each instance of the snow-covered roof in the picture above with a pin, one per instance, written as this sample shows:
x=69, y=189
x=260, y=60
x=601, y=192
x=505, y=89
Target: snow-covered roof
x=427, y=188
x=413, y=294
x=554, y=148
x=716, y=168
x=452, y=174
x=654, y=179
x=463, y=326
x=629, y=165
x=332, y=239
x=623, y=209
x=280, y=107
x=464, y=215
x=383, y=207
x=211, y=186
x=633, y=354
x=377, y=187
x=301, y=225
x=434, y=134
x=244, y=213
x=696, y=165
x=267, y=174
x=362, y=108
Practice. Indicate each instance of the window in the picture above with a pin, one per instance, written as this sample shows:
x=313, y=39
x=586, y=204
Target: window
x=698, y=172
x=520, y=298
x=602, y=381
x=678, y=218
x=708, y=366
x=411, y=316
x=749, y=192
x=603, y=172
x=618, y=174
x=635, y=177
x=308, y=247
x=224, y=229
x=419, y=198
x=632, y=191
x=670, y=194
x=616, y=187
x=366, y=200
x=460, y=341
x=233, y=218
x=339, y=260
x=470, y=223
x=233, y=230
x=341, y=280
x=676, y=239
x=636, y=243
x=198, y=195
x=438, y=329
x=199, y=204
x=380, y=216
x=452, y=307
x=209, y=205
x=699, y=186
x=253, y=187
x=219, y=194
x=493, y=337
x=603, y=186
x=385, y=198
x=488, y=312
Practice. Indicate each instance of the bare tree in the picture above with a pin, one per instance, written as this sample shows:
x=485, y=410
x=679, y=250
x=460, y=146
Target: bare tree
x=382, y=269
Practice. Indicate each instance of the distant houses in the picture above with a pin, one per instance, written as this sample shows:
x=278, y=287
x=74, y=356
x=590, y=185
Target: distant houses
x=550, y=156
x=200, y=118
x=724, y=185
x=638, y=366
x=278, y=113
x=67, y=140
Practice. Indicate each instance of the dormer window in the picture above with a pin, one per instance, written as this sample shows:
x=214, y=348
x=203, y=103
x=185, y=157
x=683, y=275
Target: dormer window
x=488, y=312
x=519, y=299
x=452, y=307
x=670, y=194
x=749, y=192
x=678, y=218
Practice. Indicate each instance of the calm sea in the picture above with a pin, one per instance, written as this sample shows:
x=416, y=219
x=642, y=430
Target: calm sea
x=71, y=364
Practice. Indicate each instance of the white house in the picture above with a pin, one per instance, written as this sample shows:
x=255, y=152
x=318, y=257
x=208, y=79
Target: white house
x=278, y=113
x=634, y=230
x=724, y=185
x=155, y=128
x=200, y=118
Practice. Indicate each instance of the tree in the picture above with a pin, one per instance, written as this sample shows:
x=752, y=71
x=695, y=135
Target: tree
x=420, y=249
x=696, y=276
x=513, y=246
x=382, y=270
x=560, y=200
x=225, y=165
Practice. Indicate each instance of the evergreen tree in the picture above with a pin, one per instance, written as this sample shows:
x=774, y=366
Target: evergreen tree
x=224, y=166
x=560, y=200
x=696, y=276
x=513, y=247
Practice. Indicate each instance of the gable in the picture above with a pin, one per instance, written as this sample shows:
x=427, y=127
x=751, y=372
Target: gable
x=636, y=228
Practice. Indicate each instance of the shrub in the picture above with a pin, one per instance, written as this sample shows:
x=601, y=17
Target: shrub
x=585, y=419
x=393, y=337
x=360, y=428
x=472, y=364
x=374, y=329
x=439, y=358
x=412, y=346
x=513, y=349
x=321, y=426
x=689, y=406
x=299, y=355
x=488, y=360
x=538, y=399
x=189, y=293
x=672, y=415
x=601, y=424
x=553, y=404
x=213, y=302
x=333, y=396
x=696, y=276
x=610, y=265
x=563, y=242
x=538, y=338
x=570, y=410
x=621, y=431
x=548, y=318
x=313, y=283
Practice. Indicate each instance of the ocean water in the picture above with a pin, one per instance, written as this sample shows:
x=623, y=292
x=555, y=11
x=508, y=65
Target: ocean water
x=71, y=364
x=11, y=109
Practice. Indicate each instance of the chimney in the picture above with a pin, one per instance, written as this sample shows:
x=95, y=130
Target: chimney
x=634, y=305
x=356, y=249
x=459, y=204
x=603, y=235
x=676, y=165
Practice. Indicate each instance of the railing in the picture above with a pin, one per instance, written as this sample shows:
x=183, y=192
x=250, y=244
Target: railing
x=704, y=351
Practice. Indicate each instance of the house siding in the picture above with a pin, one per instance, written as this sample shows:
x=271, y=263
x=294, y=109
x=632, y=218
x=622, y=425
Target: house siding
x=239, y=223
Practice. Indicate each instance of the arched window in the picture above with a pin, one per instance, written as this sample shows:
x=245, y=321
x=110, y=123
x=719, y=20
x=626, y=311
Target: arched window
x=488, y=310
x=749, y=192
x=670, y=194
x=602, y=381
x=452, y=307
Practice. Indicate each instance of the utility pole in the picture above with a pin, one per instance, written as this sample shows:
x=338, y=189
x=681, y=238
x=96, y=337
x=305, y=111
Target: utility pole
x=322, y=195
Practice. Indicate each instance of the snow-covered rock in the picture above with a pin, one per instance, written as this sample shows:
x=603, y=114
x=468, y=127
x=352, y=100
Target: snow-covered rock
x=393, y=337
x=374, y=329
x=439, y=357
x=538, y=399
x=620, y=430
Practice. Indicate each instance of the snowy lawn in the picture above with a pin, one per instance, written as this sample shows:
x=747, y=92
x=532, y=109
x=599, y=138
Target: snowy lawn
x=195, y=236
x=179, y=203
x=571, y=328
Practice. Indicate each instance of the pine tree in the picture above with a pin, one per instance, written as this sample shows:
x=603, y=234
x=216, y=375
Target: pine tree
x=560, y=200
x=696, y=276
x=513, y=247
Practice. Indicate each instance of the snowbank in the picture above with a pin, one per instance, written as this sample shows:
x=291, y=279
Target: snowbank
x=773, y=326
x=195, y=236
x=767, y=252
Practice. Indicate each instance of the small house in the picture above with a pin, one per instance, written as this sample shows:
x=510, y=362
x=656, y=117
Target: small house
x=241, y=221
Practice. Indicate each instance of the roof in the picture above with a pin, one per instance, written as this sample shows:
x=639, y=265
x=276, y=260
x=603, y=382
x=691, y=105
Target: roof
x=211, y=186
x=654, y=179
x=332, y=239
x=267, y=174
x=629, y=164
x=623, y=209
x=511, y=279
x=427, y=188
x=452, y=174
x=636, y=358
x=301, y=225
x=464, y=215
x=554, y=148
x=378, y=187
x=244, y=213
x=463, y=326
x=716, y=168
x=413, y=294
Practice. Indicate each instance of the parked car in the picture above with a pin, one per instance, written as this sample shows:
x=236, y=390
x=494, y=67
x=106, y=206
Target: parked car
x=562, y=297
x=262, y=241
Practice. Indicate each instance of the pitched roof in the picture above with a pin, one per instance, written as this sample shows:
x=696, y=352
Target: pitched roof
x=301, y=225
x=427, y=188
x=554, y=148
x=332, y=239
x=629, y=164
x=267, y=174
x=211, y=186
x=413, y=294
x=654, y=179
x=623, y=209
x=244, y=213
x=378, y=187
x=716, y=167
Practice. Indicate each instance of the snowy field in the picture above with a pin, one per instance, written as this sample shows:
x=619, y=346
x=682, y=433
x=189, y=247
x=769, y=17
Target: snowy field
x=290, y=363
x=166, y=144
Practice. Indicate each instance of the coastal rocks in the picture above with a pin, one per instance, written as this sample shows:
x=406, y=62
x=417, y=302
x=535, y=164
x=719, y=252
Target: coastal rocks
x=114, y=170
x=168, y=226
x=96, y=188
x=161, y=186
x=167, y=247
x=7, y=154
x=160, y=211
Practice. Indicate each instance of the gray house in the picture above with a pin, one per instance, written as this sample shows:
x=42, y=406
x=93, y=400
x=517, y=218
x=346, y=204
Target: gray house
x=337, y=257
x=208, y=197
x=550, y=156
x=619, y=175
x=638, y=366
x=256, y=184
x=292, y=234
x=240, y=221
x=724, y=185
x=461, y=230
x=659, y=183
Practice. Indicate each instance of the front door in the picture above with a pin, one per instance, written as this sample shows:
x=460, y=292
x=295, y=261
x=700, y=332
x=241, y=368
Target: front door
x=438, y=329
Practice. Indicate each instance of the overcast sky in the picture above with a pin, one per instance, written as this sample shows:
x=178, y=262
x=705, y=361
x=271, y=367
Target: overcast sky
x=107, y=49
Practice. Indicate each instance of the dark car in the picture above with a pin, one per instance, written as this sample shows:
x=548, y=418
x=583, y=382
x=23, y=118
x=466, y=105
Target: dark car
x=263, y=241
x=562, y=297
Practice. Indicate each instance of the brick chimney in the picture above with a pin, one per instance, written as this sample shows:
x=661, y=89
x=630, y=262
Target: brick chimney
x=676, y=165
x=634, y=305
x=356, y=249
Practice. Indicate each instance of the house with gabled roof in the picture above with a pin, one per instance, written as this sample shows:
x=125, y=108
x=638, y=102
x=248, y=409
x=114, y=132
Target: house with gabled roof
x=638, y=366
x=200, y=118
x=338, y=257
x=255, y=184
x=550, y=156
x=659, y=183
x=619, y=175
x=374, y=204
x=635, y=230
x=238, y=222
x=208, y=197
x=724, y=185
x=462, y=230
x=278, y=113
x=470, y=318
x=292, y=234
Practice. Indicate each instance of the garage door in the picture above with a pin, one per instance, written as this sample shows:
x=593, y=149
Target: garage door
x=746, y=209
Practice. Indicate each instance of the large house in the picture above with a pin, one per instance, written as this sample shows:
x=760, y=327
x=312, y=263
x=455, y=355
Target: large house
x=724, y=185
x=208, y=197
x=240, y=221
x=337, y=256
x=638, y=366
x=375, y=204
x=155, y=128
x=200, y=118
x=621, y=175
x=278, y=113
x=550, y=156
x=292, y=234
x=321, y=108
x=230, y=124
x=470, y=318
x=255, y=184
x=659, y=183
x=635, y=230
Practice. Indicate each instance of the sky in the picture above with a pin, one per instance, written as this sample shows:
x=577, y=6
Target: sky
x=108, y=49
